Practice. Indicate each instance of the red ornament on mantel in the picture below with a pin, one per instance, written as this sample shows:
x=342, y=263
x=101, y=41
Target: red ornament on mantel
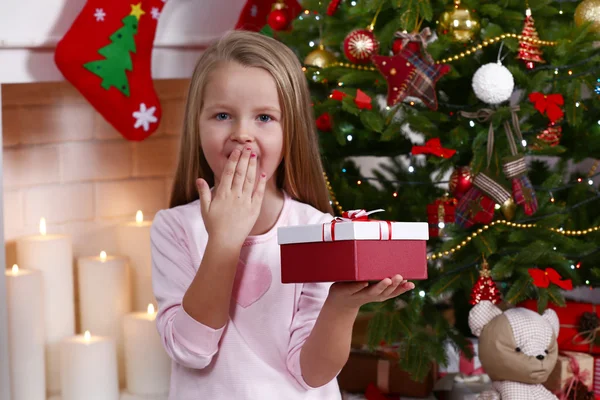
x=551, y=135
x=485, y=288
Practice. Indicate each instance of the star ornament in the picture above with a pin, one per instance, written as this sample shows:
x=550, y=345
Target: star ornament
x=409, y=73
x=136, y=10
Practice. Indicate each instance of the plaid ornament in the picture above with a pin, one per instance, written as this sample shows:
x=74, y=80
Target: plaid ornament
x=411, y=72
x=515, y=169
x=474, y=208
x=522, y=189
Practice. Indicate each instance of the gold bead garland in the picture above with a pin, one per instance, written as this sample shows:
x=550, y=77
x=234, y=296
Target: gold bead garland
x=487, y=42
x=332, y=195
x=514, y=225
x=463, y=54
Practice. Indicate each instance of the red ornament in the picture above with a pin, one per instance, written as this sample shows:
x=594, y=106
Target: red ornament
x=337, y=95
x=255, y=13
x=461, y=181
x=278, y=19
x=440, y=213
x=362, y=101
x=548, y=103
x=333, y=7
x=485, y=288
x=360, y=45
x=434, y=147
x=324, y=122
x=551, y=135
x=397, y=45
x=543, y=279
x=529, y=51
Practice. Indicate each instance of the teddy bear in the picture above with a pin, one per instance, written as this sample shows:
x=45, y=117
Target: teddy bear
x=517, y=349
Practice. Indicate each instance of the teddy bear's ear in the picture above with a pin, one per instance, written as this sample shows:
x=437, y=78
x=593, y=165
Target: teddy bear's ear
x=550, y=316
x=482, y=313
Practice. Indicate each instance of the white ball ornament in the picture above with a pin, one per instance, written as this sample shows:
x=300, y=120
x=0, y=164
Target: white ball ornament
x=493, y=83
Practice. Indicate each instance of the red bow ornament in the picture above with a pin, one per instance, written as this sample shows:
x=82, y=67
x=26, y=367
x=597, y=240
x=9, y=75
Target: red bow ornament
x=542, y=279
x=433, y=146
x=548, y=103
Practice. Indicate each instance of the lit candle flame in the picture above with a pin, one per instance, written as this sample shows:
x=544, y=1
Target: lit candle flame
x=43, y=226
x=15, y=269
x=87, y=336
x=139, y=217
x=150, y=308
x=102, y=256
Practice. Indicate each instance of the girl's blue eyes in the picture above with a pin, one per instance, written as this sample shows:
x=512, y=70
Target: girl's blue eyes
x=261, y=117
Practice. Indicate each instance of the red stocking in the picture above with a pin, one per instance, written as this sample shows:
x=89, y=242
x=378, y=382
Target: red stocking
x=255, y=13
x=106, y=55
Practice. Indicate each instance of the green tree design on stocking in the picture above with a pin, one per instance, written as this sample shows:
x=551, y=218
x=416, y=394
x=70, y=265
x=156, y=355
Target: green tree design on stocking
x=117, y=58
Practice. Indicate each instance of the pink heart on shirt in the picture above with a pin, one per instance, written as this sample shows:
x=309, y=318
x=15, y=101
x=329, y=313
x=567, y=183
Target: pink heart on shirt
x=251, y=282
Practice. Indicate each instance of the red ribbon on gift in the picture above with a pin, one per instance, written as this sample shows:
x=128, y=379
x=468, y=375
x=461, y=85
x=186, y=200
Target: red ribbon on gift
x=433, y=146
x=385, y=227
x=542, y=279
x=550, y=104
x=578, y=376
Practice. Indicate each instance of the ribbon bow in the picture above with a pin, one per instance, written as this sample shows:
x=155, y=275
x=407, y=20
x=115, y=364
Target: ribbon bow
x=548, y=103
x=357, y=215
x=433, y=146
x=420, y=37
x=484, y=115
x=542, y=279
x=578, y=376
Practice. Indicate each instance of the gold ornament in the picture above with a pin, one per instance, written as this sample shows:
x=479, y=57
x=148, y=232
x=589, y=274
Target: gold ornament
x=509, y=208
x=588, y=11
x=319, y=58
x=458, y=23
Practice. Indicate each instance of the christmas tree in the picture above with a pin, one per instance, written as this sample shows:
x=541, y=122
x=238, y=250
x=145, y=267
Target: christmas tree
x=506, y=145
x=117, y=58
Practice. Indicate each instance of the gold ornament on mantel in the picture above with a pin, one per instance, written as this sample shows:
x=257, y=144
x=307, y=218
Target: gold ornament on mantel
x=588, y=11
x=458, y=23
x=319, y=58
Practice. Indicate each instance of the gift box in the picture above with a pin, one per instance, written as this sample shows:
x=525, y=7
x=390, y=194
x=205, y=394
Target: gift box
x=440, y=213
x=577, y=325
x=461, y=387
x=353, y=248
x=458, y=361
x=364, y=368
x=571, y=365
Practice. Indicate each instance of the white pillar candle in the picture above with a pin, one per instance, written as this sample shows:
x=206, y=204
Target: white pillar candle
x=88, y=368
x=147, y=364
x=133, y=241
x=104, y=298
x=52, y=254
x=26, y=340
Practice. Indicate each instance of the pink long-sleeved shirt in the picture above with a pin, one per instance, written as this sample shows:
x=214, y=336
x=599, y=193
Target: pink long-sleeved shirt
x=256, y=355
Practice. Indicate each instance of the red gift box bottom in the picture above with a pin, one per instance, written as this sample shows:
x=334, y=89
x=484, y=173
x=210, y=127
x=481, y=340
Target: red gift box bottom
x=353, y=260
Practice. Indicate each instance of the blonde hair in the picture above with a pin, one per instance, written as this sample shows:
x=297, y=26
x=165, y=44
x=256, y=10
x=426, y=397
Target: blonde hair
x=300, y=173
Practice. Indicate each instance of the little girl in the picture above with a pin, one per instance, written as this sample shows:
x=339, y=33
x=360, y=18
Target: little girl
x=249, y=163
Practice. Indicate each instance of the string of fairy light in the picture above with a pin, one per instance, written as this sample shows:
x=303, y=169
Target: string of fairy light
x=518, y=225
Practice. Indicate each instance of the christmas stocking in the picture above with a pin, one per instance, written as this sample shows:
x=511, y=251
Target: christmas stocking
x=106, y=55
x=515, y=169
x=255, y=13
x=478, y=204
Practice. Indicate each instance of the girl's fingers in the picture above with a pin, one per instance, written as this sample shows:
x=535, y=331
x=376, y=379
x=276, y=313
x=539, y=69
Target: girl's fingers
x=403, y=288
x=240, y=170
x=205, y=195
x=229, y=170
x=259, y=192
x=396, y=281
x=380, y=287
x=250, y=180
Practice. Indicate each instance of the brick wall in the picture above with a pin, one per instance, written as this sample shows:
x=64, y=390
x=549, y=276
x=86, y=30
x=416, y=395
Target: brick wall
x=64, y=162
